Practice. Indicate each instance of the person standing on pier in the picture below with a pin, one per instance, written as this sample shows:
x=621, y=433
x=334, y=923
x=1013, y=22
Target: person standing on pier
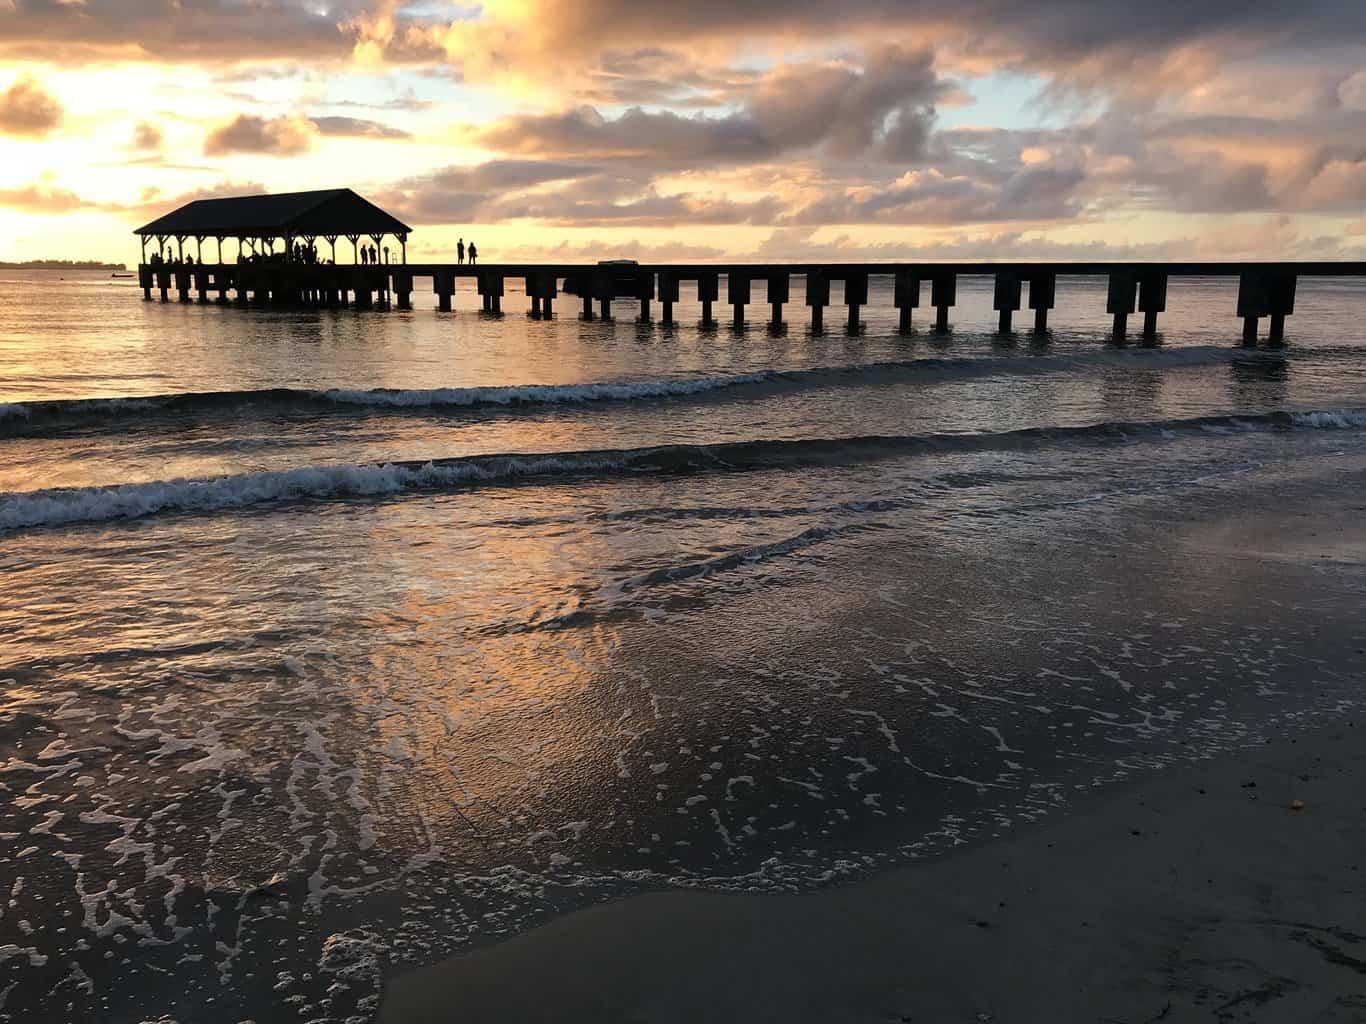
x=474, y=254
x=460, y=251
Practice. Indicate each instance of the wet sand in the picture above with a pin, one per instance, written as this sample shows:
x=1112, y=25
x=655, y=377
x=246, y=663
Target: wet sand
x=1201, y=894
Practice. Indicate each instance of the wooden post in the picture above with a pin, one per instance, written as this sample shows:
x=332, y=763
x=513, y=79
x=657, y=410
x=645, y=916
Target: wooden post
x=906, y=297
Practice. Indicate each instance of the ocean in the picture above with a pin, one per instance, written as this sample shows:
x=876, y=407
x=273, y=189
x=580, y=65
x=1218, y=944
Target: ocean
x=334, y=643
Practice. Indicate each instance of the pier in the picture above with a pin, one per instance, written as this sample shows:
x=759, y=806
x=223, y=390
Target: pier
x=263, y=277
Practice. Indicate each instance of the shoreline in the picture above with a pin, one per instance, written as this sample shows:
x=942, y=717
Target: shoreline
x=1199, y=893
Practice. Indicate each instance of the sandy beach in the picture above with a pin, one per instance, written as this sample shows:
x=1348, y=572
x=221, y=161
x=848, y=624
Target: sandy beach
x=1207, y=893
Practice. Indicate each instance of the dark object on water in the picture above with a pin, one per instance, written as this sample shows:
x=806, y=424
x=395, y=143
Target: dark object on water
x=123, y=275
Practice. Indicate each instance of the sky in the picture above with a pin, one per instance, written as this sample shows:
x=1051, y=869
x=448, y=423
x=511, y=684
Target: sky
x=711, y=129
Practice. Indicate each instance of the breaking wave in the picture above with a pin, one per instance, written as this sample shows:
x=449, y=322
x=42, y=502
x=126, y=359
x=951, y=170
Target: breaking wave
x=19, y=417
x=59, y=506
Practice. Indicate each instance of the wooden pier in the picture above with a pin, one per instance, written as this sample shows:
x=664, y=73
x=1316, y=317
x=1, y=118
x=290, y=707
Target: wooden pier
x=1265, y=290
x=302, y=275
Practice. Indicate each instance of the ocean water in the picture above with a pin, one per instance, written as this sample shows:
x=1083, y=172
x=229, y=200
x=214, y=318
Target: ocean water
x=335, y=642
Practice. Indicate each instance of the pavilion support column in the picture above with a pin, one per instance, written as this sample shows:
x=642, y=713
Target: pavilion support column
x=906, y=297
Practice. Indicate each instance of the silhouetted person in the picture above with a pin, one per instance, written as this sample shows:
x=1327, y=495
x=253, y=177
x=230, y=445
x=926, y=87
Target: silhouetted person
x=460, y=251
x=474, y=254
x=386, y=254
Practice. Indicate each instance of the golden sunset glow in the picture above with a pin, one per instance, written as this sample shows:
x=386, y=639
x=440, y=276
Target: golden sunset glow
x=862, y=130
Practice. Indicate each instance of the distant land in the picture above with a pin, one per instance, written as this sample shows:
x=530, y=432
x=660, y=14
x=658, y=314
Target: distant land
x=60, y=265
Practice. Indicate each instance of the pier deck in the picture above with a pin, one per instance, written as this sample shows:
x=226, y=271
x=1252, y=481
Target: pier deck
x=1265, y=290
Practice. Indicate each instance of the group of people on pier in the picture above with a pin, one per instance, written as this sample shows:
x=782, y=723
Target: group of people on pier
x=460, y=249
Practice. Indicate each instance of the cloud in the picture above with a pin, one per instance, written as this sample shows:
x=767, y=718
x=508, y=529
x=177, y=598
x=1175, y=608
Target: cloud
x=280, y=136
x=147, y=136
x=207, y=31
x=1163, y=45
x=882, y=108
x=355, y=127
x=27, y=109
x=42, y=199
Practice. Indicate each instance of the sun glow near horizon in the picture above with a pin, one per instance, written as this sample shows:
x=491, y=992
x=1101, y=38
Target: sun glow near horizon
x=706, y=131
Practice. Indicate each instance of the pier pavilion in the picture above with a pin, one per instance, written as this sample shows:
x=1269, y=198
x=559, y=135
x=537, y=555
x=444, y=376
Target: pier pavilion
x=258, y=222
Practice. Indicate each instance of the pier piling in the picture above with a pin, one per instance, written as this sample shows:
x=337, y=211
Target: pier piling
x=1042, y=293
x=708, y=290
x=855, y=297
x=443, y=283
x=906, y=297
x=668, y=295
x=1119, y=302
x=817, y=297
x=737, y=294
x=645, y=291
x=1152, y=299
x=1006, y=299
x=779, y=291
x=943, y=294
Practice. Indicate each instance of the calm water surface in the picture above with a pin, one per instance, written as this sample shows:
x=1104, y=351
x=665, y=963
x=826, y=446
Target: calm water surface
x=335, y=642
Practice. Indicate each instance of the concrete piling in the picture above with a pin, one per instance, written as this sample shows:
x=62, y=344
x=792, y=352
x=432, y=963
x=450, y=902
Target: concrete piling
x=906, y=297
x=855, y=297
x=1042, y=293
x=737, y=294
x=668, y=295
x=1120, y=298
x=779, y=291
x=1152, y=299
x=708, y=291
x=817, y=297
x=1006, y=299
x=943, y=295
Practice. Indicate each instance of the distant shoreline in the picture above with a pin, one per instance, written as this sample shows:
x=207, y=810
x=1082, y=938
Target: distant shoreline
x=60, y=265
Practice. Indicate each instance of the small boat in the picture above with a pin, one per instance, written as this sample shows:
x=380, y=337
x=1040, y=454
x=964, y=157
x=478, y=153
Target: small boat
x=122, y=275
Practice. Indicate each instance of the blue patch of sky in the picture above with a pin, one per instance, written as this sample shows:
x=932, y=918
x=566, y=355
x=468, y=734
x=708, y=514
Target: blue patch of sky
x=1009, y=101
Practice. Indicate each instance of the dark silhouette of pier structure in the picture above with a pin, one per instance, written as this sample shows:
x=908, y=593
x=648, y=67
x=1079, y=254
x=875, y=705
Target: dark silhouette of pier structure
x=262, y=276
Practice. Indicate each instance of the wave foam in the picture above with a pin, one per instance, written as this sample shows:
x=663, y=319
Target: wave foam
x=60, y=506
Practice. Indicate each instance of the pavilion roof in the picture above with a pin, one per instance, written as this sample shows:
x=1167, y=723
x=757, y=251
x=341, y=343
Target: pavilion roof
x=333, y=211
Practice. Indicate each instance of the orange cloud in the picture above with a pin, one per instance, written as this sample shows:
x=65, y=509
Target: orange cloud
x=27, y=109
x=246, y=133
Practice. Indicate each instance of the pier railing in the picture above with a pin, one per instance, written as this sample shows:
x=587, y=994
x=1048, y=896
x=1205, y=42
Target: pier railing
x=1265, y=290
